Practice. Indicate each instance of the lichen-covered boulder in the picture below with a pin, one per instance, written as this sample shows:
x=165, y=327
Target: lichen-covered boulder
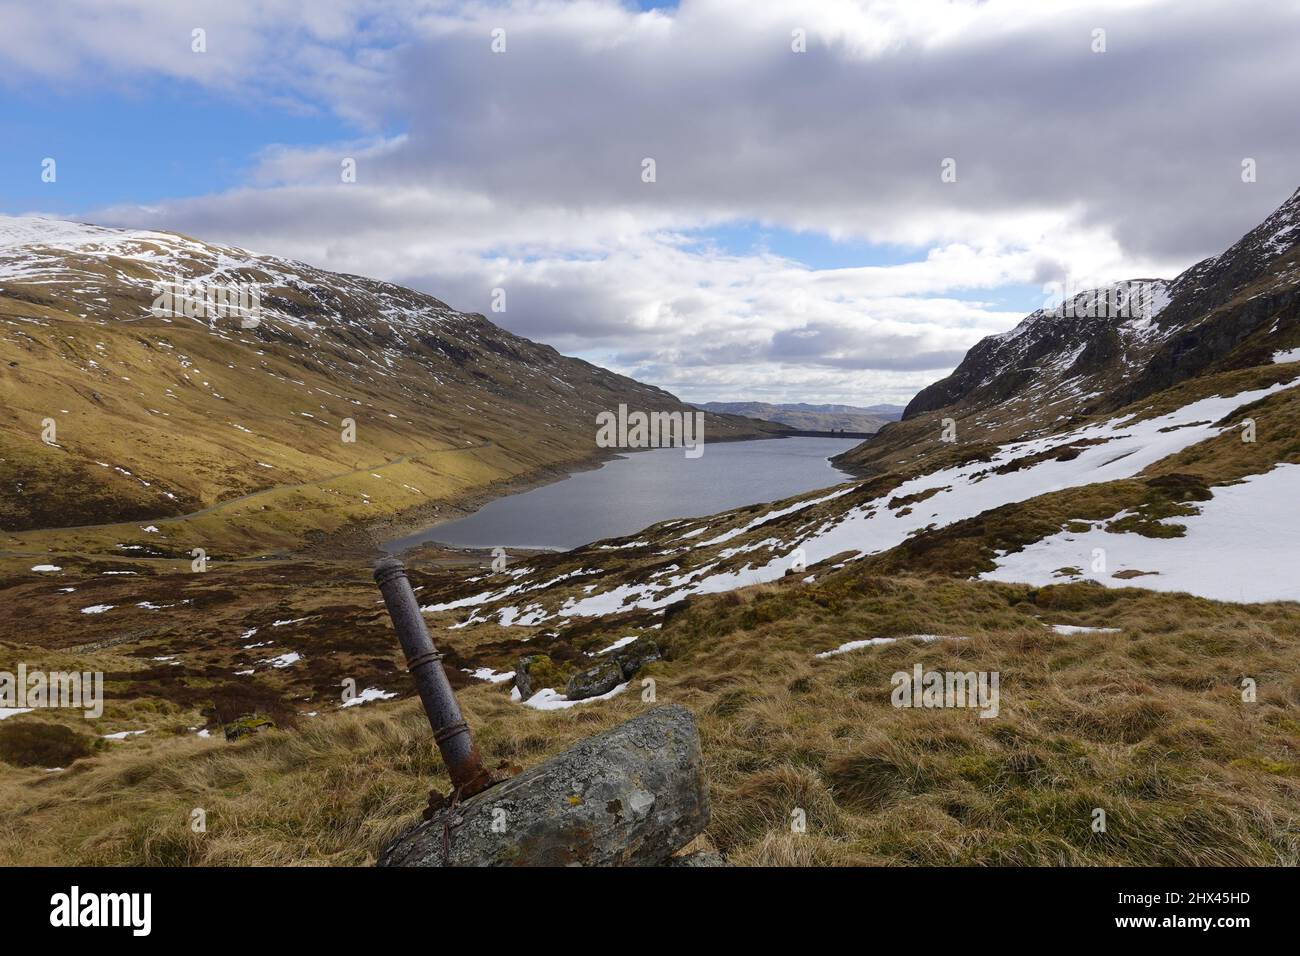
x=631, y=796
x=534, y=672
x=594, y=681
x=248, y=725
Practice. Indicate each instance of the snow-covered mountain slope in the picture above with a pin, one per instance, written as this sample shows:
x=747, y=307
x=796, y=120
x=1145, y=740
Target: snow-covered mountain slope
x=1107, y=348
x=156, y=415
x=1117, y=344
x=1066, y=354
x=1229, y=311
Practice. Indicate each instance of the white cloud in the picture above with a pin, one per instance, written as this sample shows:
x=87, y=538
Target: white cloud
x=522, y=169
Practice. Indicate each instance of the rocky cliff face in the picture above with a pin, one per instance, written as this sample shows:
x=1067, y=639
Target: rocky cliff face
x=1231, y=311
x=1074, y=351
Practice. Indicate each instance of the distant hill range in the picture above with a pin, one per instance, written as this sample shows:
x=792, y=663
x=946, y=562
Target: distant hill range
x=827, y=418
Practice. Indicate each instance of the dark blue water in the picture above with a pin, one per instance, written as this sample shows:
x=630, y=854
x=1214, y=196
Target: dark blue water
x=640, y=488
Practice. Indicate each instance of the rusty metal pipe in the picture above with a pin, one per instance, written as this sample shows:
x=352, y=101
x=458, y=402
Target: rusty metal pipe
x=450, y=731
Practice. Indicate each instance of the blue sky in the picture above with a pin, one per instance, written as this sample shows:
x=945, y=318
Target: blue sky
x=167, y=139
x=813, y=249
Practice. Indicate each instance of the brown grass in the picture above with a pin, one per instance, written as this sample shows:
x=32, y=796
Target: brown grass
x=1147, y=724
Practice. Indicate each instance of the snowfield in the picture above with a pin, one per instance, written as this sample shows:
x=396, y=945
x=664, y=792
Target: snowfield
x=1241, y=547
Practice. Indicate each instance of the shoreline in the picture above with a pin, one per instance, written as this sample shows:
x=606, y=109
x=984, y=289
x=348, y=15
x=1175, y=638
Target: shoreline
x=447, y=516
x=369, y=538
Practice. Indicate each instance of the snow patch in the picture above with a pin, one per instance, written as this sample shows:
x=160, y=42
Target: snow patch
x=549, y=699
x=876, y=641
x=1241, y=547
x=489, y=675
x=369, y=694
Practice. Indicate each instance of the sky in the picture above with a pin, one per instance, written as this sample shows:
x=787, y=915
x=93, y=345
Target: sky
x=846, y=194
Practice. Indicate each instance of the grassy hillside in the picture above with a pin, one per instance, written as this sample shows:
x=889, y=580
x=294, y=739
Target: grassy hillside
x=237, y=439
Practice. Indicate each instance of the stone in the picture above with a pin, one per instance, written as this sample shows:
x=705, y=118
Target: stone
x=631, y=796
x=699, y=852
x=632, y=657
x=594, y=681
x=248, y=725
x=534, y=672
x=698, y=858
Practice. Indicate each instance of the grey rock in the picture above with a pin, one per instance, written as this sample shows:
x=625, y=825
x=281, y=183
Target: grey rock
x=698, y=858
x=631, y=796
x=632, y=657
x=594, y=681
x=533, y=672
x=522, y=681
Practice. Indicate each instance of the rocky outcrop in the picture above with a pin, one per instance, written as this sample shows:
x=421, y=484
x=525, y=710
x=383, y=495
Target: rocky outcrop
x=636, y=655
x=247, y=726
x=533, y=672
x=619, y=665
x=1199, y=322
x=594, y=681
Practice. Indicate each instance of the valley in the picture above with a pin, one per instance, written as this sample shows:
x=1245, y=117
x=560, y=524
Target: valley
x=1166, y=441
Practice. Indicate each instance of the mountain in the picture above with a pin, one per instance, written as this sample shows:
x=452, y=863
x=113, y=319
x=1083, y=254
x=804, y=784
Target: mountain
x=1212, y=316
x=156, y=417
x=1230, y=311
x=1060, y=366
x=888, y=412
x=805, y=417
x=1066, y=356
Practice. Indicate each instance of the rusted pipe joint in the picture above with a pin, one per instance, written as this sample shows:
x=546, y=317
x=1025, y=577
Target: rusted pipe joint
x=450, y=731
